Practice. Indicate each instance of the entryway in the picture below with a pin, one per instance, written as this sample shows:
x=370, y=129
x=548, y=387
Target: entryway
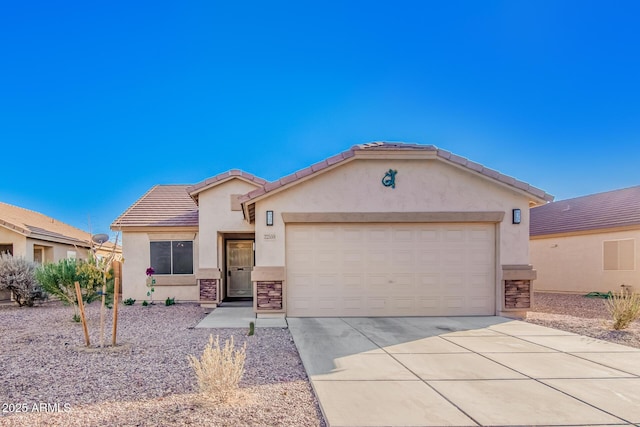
x=240, y=261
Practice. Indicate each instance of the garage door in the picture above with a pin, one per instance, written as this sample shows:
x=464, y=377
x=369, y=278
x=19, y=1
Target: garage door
x=390, y=269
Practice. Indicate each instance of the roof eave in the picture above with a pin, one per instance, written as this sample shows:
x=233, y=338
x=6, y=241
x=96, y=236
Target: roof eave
x=64, y=240
x=15, y=228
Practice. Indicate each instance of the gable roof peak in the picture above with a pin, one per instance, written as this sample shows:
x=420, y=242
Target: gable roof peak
x=198, y=188
x=537, y=195
x=388, y=145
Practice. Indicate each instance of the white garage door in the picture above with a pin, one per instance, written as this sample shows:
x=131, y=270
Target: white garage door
x=390, y=269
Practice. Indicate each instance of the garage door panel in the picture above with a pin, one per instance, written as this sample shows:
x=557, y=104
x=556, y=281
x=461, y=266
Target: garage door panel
x=328, y=282
x=428, y=235
x=481, y=302
x=429, y=305
x=390, y=270
x=454, y=302
x=353, y=282
x=377, y=305
x=353, y=304
x=407, y=303
x=302, y=257
x=377, y=282
x=303, y=281
x=403, y=235
x=403, y=284
x=375, y=235
x=353, y=261
x=427, y=258
x=454, y=235
x=403, y=258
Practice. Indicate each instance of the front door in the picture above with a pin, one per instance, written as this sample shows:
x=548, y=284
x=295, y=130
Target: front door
x=239, y=266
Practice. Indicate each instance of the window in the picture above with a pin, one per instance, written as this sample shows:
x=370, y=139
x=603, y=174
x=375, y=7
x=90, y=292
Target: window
x=172, y=257
x=619, y=254
x=6, y=248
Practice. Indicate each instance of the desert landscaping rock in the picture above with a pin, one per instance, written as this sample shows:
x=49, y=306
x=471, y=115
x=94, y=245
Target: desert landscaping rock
x=580, y=315
x=146, y=379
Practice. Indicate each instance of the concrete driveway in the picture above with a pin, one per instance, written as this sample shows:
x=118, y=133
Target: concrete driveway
x=465, y=371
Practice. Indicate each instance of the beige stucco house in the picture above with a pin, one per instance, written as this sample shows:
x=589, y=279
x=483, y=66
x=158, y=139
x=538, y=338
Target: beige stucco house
x=587, y=244
x=40, y=238
x=382, y=229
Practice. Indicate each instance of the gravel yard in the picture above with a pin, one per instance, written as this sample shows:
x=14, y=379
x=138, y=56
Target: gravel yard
x=581, y=315
x=145, y=380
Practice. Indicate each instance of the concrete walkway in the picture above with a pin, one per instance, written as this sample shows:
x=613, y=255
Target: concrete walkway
x=238, y=317
x=465, y=371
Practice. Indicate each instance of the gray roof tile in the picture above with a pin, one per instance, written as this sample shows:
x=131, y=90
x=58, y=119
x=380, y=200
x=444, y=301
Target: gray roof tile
x=617, y=208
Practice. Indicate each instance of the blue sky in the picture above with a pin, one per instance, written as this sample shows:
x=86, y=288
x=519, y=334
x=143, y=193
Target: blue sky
x=101, y=101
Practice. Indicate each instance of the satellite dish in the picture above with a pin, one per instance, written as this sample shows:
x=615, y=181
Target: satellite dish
x=100, y=238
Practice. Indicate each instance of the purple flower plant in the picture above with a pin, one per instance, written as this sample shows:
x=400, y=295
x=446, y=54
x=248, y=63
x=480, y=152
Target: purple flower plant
x=150, y=271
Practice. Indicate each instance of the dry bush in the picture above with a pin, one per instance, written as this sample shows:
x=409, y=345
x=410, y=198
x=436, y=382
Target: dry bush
x=18, y=276
x=219, y=369
x=624, y=308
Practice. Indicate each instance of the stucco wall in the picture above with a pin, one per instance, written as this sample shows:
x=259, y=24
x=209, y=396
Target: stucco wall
x=55, y=251
x=421, y=186
x=18, y=240
x=136, y=253
x=23, y=247
x=216, y=216
x=575, y=264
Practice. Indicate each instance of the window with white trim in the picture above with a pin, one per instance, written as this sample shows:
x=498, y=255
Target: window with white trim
x=172, y=257
x=619, y=254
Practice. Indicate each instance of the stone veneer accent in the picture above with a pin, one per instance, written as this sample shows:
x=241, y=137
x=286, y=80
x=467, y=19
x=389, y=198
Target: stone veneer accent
x=269, y=295
x=517, y=294
x=209, y=289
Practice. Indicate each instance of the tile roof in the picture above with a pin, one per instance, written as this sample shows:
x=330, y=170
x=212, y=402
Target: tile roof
x=38, y=226
x=195, y=189
x=161, y=206
x=617, y=208
x=396, y=146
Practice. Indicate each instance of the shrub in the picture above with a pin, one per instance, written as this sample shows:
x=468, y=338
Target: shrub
x=219, y=370
x=145, y=303
x=129, y=301
x=169, y=301
x=59, y=279
x=18, y=276
x=624, y=308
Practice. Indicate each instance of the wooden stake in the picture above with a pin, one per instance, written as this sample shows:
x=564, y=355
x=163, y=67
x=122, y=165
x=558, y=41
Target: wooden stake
x=82, y=315
x=116, y=291
x=104, y=296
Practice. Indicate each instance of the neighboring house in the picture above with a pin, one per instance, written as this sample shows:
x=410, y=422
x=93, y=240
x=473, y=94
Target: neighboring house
x=587, y=244
x=382, y=229
x=37, y=237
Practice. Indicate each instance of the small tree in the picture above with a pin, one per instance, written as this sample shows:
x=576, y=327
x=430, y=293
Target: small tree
x=18, y=276
x=59, y=279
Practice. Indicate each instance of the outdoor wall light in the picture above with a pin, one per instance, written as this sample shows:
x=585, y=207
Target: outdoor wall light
x=516, y=216
x=269, y=218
